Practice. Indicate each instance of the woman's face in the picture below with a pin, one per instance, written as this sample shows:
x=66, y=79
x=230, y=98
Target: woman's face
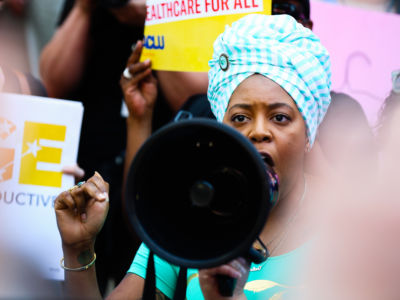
x=265, y=113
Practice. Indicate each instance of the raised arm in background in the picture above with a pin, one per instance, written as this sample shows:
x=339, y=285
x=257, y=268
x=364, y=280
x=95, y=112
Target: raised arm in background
x=140, y=93
x=62, y=61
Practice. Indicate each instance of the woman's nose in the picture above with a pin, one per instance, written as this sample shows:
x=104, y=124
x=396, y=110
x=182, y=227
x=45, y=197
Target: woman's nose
x=260, y=132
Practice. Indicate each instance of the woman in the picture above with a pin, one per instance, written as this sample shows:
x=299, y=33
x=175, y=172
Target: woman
x=269, y=79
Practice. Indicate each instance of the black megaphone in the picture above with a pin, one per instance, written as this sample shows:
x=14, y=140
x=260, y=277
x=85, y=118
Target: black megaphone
x=198, y=193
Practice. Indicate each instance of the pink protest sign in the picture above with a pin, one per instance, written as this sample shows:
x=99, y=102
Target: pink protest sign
x=365, y=49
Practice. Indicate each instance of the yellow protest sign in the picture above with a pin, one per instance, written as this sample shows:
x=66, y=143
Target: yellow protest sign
x=179, y=34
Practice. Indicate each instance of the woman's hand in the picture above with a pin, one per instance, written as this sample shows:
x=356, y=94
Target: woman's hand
x=81, y=212
x=238, y=268
x=139, y=86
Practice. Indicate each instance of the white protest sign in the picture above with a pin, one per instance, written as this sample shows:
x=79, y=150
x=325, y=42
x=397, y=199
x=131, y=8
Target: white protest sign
x=38, y=136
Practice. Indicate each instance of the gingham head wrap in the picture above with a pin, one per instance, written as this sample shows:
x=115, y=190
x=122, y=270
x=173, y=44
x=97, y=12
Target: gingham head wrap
x=280, y=49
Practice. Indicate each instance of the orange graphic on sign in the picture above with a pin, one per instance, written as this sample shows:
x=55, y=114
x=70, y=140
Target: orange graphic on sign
x=6, y=163
x=6, y=128
x=6, y=155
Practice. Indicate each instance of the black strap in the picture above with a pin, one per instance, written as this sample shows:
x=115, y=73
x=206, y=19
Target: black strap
x=149, y=292
x=180, y=289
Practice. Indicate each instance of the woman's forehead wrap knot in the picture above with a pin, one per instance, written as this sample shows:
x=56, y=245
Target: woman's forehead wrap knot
x=280, y=49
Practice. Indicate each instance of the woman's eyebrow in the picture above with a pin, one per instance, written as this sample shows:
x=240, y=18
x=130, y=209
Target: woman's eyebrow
x=240, y=105
x=279, y=105
x=270, y=106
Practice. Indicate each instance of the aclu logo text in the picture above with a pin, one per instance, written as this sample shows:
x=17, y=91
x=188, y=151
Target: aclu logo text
x=155, y=42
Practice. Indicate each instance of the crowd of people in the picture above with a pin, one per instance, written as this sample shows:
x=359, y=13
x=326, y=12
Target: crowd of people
x=337, y=211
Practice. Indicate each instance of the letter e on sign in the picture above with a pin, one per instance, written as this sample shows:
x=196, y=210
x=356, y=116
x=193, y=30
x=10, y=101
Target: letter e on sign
x=38, y=148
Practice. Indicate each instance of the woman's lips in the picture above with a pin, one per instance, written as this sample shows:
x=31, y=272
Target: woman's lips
x=267, y=159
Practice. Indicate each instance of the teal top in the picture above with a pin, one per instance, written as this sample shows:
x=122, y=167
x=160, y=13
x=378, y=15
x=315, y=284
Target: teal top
x=273, y=279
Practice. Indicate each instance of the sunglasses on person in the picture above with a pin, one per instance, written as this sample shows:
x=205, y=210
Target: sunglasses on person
x=280, y=8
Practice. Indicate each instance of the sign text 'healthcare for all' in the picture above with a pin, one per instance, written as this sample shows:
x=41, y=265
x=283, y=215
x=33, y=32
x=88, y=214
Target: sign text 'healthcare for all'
x=165, y=11
x=38, y=136
x=179, y=34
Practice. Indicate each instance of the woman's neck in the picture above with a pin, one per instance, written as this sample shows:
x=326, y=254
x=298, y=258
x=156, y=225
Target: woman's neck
x=289, y=198
x=284, y=213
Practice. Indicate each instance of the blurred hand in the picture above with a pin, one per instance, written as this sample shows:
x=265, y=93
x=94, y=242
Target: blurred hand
x=75, y=171
x=238, y=268
x=140, y=91
x=81, y=212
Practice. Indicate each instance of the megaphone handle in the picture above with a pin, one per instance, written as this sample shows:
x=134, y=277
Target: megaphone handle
x=226, y=285
x=256, y=256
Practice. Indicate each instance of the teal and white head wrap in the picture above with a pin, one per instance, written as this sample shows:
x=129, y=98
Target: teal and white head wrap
x=280, y=49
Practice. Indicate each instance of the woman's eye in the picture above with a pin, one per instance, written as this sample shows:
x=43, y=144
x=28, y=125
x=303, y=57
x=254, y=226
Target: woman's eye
x=281, y=118
x=239, y=118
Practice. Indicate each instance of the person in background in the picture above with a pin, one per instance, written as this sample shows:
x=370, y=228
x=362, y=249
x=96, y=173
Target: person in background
x=387, y=136
x=13, y=54
x=83, y=62
x=363, y=214
x=298, y=9
x=15, y=81
x=346, y=143
x=27, y=26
